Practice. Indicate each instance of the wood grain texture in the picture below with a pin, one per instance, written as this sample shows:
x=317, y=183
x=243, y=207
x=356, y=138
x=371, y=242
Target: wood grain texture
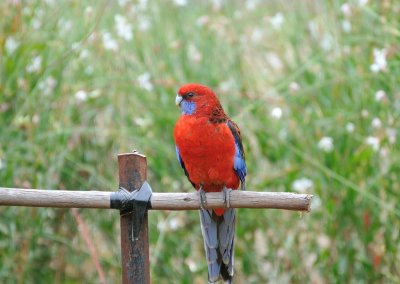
x=134, y=229
x=159, y=201
x=238, y=199
x=54, y=198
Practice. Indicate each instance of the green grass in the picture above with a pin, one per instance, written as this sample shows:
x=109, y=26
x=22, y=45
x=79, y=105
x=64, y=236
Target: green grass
x=52, y=138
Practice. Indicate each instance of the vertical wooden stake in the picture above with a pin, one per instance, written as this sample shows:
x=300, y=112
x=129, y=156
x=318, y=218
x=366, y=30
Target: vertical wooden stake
x=134, y=250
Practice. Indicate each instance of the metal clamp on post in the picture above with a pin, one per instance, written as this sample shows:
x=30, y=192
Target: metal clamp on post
x=137, y=202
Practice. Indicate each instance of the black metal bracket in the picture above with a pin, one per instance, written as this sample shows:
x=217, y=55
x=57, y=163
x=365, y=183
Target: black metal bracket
x=136, y=202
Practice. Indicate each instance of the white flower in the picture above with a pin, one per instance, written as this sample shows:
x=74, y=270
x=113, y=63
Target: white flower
x=323, y=241
x=124, y=29
x=376, y=122
x=84, y=54
x=180, y=2
x=326, y=144
x=88, y=11
x=92, y=37
x=194, y=54
x=397, y=104
x=122, y=3
x=36, y=23
x=81, y=96
x=282, y=134
x=294, y=86
x=65, y=26
x=346, y=49
x=89, y=70
x=39, y=12
x=326, y=42
x=380, y=95
x=143, y=23
x=276, y=113
x=169, y=225
x=144, y=82
x=380, y=63
x=228, y=85
x=315, y=203
x=257, y=35
x=302, y=185
x=109, y=43
x=26, y=10
x=277, y=21
x=142, y=122
x=391, y=134
x=346, y=9
x=35, y=118
x=162, y=226
x=238, y=15
x=346, y=26
x=203, y=20
x=362, y=2
x=21, y=83
x=142, y=5
x=47, y=86
x=35, y=65
x=274, y=60
x=192, y=265
x=11, y=45
x=373, y=142
x=95, y=93
x=174, y=224
x=217, y=4
x=384, y=152
x=313, y=27
x=251, y=4
x=350, y=127
x=75, y=46
x=364, y=113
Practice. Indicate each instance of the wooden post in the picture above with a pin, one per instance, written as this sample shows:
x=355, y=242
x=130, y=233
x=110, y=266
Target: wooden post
x=134, y=241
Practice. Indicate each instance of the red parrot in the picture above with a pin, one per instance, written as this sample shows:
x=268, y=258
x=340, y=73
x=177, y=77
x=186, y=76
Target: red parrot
x=210, y=151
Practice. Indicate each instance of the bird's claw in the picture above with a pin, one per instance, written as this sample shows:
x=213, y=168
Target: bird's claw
x=202, y=197
x=227, y=196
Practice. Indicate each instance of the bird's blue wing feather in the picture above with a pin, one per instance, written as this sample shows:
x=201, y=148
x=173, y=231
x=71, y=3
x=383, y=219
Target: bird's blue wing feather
x=181, y=162
x=178, y=156
x=239, y=163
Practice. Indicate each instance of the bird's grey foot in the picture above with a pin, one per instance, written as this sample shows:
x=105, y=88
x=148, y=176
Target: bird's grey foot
x=202, y=197
x=227, y=195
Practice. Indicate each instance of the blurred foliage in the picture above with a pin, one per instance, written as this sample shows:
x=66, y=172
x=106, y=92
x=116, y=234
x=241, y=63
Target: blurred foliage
x=313, y=85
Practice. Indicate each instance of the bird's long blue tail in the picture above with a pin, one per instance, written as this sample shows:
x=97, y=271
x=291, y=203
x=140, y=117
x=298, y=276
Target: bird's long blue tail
x=219, y=236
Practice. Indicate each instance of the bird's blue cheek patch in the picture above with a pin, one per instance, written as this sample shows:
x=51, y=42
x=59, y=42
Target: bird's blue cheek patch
x=188, y=107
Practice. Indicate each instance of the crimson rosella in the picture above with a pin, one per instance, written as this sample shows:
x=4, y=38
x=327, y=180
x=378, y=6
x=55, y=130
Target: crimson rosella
x=210, y=151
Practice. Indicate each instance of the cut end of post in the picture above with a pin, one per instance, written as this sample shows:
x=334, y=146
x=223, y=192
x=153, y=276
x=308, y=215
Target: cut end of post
x=309, y=198
x=134, y=152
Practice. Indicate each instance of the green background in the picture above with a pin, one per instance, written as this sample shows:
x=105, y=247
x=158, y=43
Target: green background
x=82, y=81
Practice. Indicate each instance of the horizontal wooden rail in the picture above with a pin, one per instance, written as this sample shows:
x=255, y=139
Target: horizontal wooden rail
x=159, y=201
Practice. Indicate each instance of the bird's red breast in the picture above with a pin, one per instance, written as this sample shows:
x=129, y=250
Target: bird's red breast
x=208, y=150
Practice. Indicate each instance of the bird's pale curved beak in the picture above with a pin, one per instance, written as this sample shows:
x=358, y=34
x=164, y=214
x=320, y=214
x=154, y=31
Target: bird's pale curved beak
x=178, y=100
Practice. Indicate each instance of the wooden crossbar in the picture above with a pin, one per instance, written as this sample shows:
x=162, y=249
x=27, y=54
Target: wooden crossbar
x=159, y=201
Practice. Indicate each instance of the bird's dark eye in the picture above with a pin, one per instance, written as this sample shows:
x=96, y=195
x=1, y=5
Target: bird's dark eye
x=189, y=95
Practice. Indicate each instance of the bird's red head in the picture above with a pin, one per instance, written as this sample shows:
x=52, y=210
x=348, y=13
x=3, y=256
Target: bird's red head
x=196, y=99
x=198, y=89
